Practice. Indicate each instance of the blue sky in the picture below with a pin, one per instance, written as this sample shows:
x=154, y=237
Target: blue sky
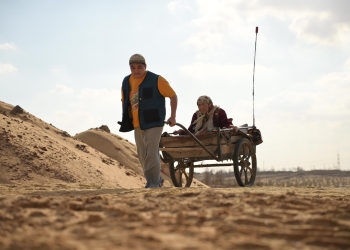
x=64, y=62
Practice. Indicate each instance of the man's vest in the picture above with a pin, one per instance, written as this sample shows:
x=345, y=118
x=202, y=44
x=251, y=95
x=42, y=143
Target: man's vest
x=151, y=104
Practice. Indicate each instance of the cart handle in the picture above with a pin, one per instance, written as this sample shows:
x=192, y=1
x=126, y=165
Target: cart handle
x=195, y=138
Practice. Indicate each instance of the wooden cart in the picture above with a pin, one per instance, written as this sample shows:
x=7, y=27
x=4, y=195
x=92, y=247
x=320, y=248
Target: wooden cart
x=238, y=148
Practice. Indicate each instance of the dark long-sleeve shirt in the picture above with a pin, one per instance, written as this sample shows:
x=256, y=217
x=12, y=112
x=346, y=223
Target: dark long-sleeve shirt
x=219, y=120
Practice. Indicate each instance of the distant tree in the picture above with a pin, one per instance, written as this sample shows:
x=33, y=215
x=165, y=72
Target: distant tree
x=207, y=177
x=299, y=169
x=219, y=178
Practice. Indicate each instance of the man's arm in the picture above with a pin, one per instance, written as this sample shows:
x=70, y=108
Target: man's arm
x=173, y=105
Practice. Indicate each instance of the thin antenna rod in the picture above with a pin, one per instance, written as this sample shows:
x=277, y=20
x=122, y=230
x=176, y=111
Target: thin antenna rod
x=256, y=37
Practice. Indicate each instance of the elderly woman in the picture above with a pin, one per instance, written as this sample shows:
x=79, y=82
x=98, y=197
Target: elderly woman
x=207, y=117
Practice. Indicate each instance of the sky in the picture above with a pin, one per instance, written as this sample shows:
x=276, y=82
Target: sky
x=64, y=62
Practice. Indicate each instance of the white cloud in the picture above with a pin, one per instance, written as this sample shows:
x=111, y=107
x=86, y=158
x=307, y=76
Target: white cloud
x=215, y=21
x=61, y=89
x=347, y=64
x=333, y=98
x=99, y=96
x=222, y=73
x=61, y=73
x=76, y=121
x=58, y=71
x=7, y=46
x=324, y=23
x=335, y=82
x=7, y=68
x=201, y=71
x=205, y=40
x=78, y=110
x=174, y=6
x=320, y=28
x=328, y=102
x=221, y=23
x=287, y=105
x=87, y=109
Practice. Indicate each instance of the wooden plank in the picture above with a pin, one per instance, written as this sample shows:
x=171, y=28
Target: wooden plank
x=182, y=141
x=198, y=152
x=193, y=154
x=187, y=141
x=188, y=152
x=180, y=149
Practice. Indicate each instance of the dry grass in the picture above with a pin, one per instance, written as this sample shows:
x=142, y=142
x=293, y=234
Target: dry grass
x=314, y=178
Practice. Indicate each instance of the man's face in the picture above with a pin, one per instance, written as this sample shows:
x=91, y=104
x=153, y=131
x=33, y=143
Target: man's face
x=137, y=70
x=203, y=106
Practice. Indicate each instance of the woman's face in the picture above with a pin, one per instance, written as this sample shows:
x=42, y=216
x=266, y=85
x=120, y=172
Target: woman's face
x=203, y=106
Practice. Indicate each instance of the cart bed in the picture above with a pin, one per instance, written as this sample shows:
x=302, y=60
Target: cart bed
x=180, y=147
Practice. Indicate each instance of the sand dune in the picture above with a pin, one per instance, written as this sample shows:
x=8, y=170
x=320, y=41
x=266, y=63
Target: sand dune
x=122, y=151
x=33, y=151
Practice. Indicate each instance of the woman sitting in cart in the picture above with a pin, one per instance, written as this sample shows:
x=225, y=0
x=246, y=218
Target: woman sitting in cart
x=207, y=118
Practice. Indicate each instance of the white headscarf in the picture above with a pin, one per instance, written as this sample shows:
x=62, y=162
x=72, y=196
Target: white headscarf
x=205, y=121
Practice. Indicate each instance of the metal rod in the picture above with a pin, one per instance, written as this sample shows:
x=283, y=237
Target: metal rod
x=256, y=37
x=212, y=165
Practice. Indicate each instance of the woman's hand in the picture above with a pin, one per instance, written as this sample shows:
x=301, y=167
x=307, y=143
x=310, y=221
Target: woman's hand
x=234, y=127
x=202, y=131
x=178, y=132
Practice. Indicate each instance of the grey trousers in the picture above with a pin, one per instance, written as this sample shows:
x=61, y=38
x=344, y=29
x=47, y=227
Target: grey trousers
x=147, y=144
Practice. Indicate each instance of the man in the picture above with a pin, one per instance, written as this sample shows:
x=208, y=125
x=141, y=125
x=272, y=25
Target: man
x=143, y=100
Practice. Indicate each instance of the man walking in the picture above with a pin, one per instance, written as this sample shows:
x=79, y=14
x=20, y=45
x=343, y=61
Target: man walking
x=143, y=101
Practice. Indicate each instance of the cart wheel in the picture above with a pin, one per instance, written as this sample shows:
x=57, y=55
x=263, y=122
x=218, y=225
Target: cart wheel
x=244, y=163
x=181, y=173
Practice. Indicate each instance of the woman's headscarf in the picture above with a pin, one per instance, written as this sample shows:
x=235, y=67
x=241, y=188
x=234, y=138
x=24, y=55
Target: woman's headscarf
x=206, y=99
x=205, y=121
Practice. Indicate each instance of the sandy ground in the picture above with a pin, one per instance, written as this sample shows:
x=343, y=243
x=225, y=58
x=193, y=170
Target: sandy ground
x=85, y=191
x=62, y=217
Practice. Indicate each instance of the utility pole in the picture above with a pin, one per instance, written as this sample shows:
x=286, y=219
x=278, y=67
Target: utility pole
x=338, y=161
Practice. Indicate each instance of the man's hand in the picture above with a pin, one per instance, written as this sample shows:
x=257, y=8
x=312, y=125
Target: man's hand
x=173, y=105
x=171, y=121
